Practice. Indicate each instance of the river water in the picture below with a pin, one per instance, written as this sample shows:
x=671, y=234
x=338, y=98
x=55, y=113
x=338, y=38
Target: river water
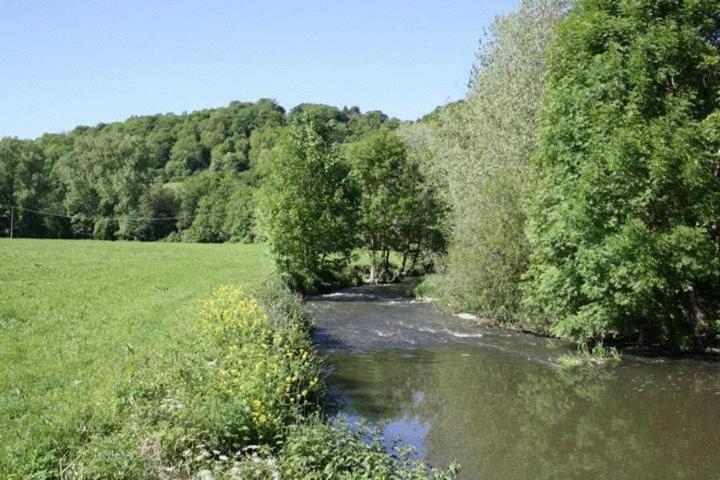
x=496, y=401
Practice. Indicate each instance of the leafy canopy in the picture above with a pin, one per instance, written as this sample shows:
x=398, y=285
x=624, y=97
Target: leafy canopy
x=308, y=204
x=484, y=145
x=624, y=227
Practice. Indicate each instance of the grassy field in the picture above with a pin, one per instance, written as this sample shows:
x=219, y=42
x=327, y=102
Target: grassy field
x=78, y=317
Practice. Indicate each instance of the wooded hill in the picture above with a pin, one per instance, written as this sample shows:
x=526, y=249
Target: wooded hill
x=183, y=176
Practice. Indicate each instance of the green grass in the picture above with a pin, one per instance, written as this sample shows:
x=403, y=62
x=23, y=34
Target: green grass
x=77, y=318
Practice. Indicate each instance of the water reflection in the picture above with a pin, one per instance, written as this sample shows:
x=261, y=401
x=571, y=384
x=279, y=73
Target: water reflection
x=495, y=401
x=504, y=417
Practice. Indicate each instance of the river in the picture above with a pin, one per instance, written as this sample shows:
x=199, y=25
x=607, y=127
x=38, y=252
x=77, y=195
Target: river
x=497, y=402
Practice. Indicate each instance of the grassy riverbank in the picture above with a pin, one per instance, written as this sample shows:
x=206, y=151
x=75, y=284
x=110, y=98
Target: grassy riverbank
x=112, y=367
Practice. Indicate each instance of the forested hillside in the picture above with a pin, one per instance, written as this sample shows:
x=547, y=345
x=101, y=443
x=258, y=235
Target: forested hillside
x=189, y=176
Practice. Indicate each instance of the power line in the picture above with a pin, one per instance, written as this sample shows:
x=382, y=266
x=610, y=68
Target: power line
x=127, y=218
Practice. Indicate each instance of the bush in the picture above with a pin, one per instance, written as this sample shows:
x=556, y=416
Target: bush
x=247, y=379
x=316, y=450
x=285, y=308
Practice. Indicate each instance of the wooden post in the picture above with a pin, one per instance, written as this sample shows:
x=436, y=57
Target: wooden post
x=12, y=221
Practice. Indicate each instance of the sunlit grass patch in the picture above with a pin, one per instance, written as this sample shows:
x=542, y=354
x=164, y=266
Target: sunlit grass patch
x=78, y=318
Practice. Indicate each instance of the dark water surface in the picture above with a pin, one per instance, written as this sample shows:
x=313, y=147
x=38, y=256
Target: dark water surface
x=496, y=401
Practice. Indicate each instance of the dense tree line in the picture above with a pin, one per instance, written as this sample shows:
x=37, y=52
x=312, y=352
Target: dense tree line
x=483, y=148
x=583, y=172
x=181, y=177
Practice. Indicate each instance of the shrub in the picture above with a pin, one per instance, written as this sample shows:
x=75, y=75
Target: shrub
x=249, y=378
x=317, y=450
x=284, y=307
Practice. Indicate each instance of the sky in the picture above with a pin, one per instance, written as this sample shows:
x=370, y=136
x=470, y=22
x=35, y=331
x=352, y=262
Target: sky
x=66, y=63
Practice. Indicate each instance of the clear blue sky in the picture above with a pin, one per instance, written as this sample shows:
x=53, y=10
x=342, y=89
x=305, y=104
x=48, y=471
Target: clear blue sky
x=68, y=63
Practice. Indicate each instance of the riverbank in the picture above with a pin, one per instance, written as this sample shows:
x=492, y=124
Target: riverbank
x=238, y=400
x=113, y=367
x=611, y=349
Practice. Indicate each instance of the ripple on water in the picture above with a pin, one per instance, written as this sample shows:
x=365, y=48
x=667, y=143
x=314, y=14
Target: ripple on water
x=488, y=398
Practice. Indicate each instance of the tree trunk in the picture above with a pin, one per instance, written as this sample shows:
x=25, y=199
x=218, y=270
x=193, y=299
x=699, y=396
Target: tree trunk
x=373, y=262
x=404, y=262
x=415, y=256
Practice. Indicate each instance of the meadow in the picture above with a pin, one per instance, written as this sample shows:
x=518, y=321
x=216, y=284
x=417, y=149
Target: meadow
x=78, y=317
x=131, y=361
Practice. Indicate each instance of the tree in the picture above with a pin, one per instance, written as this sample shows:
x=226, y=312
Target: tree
x=9, y=153
x=484, y=147
x=624, y=225
x=396, y=212
x=25, y=183
x=186, y=156
x=153, y=219
x=308, y=205
x=200, y=168
x=104, y=177
x=225, y=212
x=427, y=209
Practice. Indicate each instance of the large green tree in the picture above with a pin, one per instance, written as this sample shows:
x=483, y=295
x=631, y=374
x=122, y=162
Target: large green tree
x=397, y=212
x=25, y=185
x=625, y=226
x=484, y=147
x=308, y=204
x=104, y=177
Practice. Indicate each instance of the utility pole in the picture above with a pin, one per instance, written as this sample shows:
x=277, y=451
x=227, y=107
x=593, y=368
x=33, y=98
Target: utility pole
x=12, y=221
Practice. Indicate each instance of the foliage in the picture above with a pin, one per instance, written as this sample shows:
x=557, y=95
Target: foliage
x=152, y=177
x=624, y=224
x=308, y=205
x=483, y=148
x=186, y=156
x=153, y=219
x=225, y=212
x=397, y=210
x=584, y=356
x=25, y=180
x=316, y=451
x=103, y=177
x=246, y=378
